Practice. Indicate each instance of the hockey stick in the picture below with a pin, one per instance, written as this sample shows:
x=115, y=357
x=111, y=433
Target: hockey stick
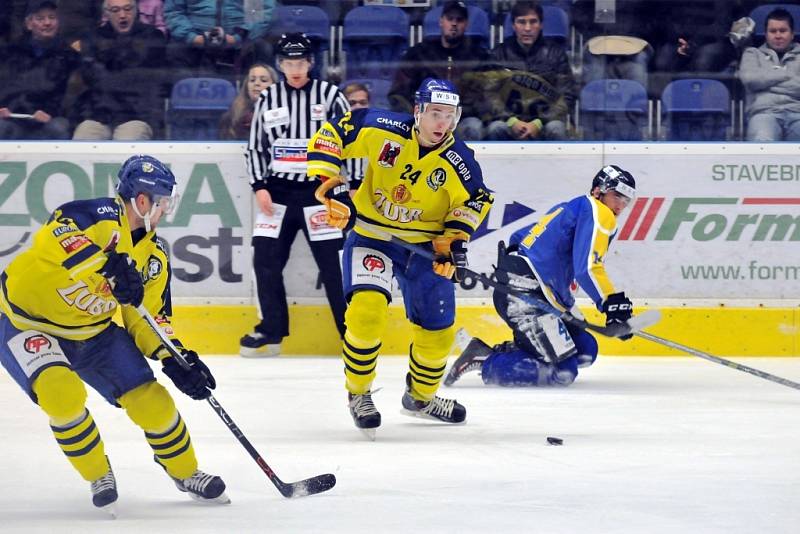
x=309, y=486
x=643, y=320
x=717, y=359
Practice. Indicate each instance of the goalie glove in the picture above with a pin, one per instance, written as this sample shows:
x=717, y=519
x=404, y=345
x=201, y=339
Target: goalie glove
x=618, y=309
x=451, y=257
x=333, y=194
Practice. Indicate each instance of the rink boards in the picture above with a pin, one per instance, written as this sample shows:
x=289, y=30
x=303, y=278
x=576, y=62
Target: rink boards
x=710, y=239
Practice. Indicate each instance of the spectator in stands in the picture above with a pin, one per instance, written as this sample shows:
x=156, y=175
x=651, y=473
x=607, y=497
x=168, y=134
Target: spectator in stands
x=79, y=18
x=235, y=123
x=618, y=36
x=771, y=77
x=122, y=63
x=152, y=12
x=530, y=89
x=357, y=95
x=700, y=37
x=35, y=72
x=447, y=57
x=209, y=34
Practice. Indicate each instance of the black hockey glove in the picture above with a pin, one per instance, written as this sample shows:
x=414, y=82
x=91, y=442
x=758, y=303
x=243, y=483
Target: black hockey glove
x=125, y=281
x=458, y=255
x=194, y=381
x=618, y=309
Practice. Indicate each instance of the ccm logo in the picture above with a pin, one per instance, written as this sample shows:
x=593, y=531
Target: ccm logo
x=621, y=307
x=35, y=344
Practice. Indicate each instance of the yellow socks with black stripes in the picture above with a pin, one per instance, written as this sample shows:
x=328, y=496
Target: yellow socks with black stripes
x=81, y=442
x=428, y=359
x=151, y=407
x=366, y=319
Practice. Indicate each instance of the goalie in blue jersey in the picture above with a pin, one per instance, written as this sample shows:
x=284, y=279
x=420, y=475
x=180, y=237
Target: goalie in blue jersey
x=567, y=245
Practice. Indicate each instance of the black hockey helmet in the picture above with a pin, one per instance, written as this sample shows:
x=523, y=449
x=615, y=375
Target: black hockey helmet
x=615, y=178
x=294, y=46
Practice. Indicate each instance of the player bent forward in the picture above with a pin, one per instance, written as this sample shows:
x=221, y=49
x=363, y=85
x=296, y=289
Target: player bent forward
x=57, y=301
x=423, y=186
x=569, y=243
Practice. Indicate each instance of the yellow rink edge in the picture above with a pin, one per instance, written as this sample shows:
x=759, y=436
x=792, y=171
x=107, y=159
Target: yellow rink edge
x=721, y=331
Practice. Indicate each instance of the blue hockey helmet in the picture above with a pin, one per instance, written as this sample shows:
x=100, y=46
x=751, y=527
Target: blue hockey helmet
x=145, y=174
x=615, y=178
x=438, y=91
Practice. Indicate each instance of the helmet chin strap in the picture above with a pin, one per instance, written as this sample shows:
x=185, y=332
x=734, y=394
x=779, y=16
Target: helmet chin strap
x=146, y=216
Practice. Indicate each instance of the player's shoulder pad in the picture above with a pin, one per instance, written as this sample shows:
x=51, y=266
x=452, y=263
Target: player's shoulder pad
x=85, y=213
x=390, y=121
x=462, y=159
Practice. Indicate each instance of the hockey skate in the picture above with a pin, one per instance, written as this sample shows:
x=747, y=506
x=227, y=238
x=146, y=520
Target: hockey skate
x=203, y=487
x=257, y=345
x=104, y=493
x=366, y=417
x=470, y=360
x=437, y=409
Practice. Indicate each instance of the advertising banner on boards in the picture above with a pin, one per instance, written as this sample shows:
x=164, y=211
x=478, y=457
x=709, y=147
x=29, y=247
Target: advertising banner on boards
x=709, y=221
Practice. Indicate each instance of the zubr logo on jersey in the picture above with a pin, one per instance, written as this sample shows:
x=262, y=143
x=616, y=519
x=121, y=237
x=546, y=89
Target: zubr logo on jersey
x=713, y=218
x=79, y=296
x=392, y=211
x=35, y=344
x=373, y=263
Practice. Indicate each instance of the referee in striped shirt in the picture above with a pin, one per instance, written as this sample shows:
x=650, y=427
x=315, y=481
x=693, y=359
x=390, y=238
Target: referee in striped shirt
x=285, y=117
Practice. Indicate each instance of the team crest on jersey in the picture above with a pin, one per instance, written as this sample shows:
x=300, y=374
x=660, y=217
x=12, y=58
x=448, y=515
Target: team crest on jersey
x=389, y=153
x=401, y=194
x=154, y=268
x=373, y=263
x=437, y=179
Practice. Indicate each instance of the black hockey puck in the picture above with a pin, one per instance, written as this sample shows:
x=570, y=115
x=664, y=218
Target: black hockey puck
x=554, y=441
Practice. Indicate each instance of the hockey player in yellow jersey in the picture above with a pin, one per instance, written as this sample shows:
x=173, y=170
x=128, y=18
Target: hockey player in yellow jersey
x=57, y=299
x=423, y=186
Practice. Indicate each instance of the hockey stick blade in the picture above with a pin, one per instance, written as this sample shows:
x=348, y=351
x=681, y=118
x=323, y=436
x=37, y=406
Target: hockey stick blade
x=310, y=486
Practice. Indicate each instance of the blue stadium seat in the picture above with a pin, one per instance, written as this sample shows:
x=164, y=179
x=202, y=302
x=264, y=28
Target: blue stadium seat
x=556, y=24
x=477, y=29
x=378, y=91
x=196, y=106
x=312, y=21
x=696, y=110
x=614, y=110
x=759, y=15
x=374, y=38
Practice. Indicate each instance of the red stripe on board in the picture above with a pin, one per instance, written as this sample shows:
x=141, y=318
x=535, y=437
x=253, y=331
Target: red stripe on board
x=771, y=201
x=649, y=217
x=633, y=218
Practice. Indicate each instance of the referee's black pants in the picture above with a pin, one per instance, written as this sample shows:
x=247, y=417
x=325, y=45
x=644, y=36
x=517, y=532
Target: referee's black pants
x=271, y=254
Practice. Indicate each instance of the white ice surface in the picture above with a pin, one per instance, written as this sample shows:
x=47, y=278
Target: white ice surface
x=650, y=445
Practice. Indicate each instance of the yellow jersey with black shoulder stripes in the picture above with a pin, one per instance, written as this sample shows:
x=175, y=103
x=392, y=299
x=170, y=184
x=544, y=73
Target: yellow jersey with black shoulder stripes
x=54, y=286
x=409, y=191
